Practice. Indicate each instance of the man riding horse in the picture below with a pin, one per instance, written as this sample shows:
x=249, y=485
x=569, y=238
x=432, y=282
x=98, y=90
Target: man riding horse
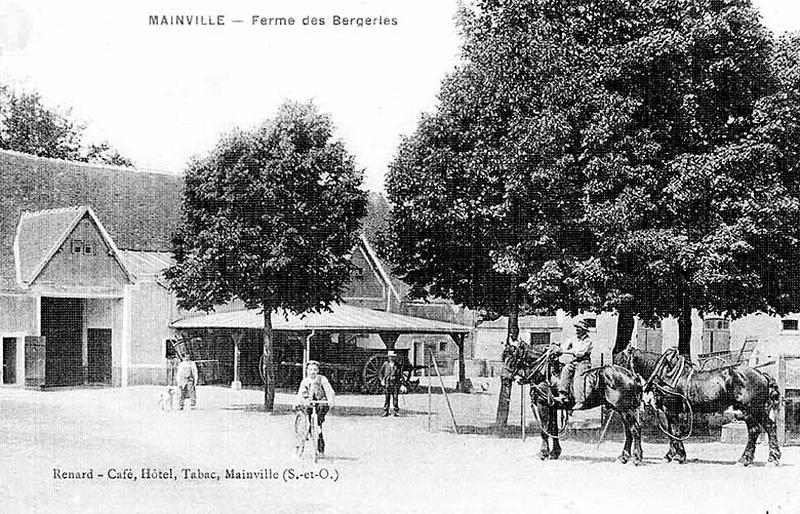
x=570, y=397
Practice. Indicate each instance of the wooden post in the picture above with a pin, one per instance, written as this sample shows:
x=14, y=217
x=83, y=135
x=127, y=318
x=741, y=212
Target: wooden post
x=428, y=376
x=463, y=384
x=781, y=415
x=446, y=398
x=522, y=409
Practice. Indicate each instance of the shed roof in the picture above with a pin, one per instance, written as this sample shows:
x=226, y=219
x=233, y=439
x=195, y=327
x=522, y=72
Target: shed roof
x=341, y=318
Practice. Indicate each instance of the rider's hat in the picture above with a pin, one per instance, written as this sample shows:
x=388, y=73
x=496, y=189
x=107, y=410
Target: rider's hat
x=309, y=363
x=391, y=354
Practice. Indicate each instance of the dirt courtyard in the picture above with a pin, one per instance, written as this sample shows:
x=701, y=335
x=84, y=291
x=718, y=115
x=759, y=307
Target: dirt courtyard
x=374, y=464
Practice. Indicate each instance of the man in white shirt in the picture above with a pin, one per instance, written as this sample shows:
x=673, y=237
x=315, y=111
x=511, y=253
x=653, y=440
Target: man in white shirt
x=315, y=387
x=186, y=378
x=581, y=351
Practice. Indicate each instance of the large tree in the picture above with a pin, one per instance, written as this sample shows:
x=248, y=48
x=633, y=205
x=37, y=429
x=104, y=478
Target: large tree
x=484, y=193
x=689, y=207
x=270, y=218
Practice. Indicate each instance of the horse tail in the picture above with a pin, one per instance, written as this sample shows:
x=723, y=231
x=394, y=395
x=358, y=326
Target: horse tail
x=773, y=396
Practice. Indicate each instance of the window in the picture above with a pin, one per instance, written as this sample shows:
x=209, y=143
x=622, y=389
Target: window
x=77, y=246
x=443, y=346
x=88, y=248
x=540, y=338
x=590, y=324
x=789, y=325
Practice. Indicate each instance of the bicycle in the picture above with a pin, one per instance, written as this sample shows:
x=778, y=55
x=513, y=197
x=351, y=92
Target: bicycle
x=308, y=431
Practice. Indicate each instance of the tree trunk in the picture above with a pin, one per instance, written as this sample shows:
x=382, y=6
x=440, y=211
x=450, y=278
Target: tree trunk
x=268, y=364
x=685, y=330
x=504, y=399
x=624, y=328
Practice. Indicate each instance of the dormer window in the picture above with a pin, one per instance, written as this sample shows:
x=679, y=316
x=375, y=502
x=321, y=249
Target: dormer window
x=88, y=248
x=77, y=246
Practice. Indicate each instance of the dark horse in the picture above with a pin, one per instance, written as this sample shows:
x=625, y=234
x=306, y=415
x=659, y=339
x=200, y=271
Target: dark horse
x=675, y=381
x=612, y=386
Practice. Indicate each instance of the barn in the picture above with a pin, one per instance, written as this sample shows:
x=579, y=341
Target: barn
x=83, y=301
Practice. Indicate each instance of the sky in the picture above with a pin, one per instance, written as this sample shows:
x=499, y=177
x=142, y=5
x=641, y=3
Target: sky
x=161, y=94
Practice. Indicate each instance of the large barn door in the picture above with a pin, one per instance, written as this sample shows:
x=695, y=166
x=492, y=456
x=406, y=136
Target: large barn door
x=99, y=355
x=62, y=325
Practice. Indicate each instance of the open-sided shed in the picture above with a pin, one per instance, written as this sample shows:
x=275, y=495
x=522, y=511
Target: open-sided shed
x=341, y=320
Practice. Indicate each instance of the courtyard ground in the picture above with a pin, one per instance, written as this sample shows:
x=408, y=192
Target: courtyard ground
x=374, y=464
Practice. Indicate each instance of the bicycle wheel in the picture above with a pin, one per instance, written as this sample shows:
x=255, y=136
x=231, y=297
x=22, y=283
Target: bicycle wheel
x=314, y=433
x=301, y=429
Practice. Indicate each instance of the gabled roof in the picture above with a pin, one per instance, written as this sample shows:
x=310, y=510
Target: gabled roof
x=140, y=210
x=380, y=269
x=40, y=234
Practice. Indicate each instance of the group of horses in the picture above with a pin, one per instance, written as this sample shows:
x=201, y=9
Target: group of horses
x=673, y=385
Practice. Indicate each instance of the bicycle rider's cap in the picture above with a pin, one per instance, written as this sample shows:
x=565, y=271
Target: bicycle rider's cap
x=391, y=354
x=309, y=363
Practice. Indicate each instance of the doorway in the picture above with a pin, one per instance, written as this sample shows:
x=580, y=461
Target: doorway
x=98, y=350
x=62, y=327
x=9, y=360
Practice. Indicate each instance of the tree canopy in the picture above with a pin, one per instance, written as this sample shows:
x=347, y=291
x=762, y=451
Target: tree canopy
x=637, y=156
x=30, y=126
x=270, y=217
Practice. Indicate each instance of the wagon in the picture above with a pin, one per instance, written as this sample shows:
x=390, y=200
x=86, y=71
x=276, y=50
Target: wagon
x=361, y=374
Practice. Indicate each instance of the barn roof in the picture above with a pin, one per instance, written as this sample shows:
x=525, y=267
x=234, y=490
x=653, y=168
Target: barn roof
x=40, y=234
x=140, y=210
x=341, y=318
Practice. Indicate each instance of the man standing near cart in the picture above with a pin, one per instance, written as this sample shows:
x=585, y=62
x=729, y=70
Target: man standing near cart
x=186, y=378
x=391, y=377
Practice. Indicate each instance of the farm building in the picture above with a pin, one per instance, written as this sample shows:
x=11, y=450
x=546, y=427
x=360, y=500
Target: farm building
x=82, y=301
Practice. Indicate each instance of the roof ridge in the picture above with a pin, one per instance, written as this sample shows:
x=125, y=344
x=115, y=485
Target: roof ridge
x=54, y=210
x=94, y=165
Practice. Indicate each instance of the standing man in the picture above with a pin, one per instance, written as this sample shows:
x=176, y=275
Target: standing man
x=391, y=376
x=187, y=381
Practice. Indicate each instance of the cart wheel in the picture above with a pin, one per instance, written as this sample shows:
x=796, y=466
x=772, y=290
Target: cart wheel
x=300, y=432
x=372, y=374
x=713, y=362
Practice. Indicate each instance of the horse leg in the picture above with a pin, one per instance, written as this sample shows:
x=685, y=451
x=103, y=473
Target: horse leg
x=552, y=427
x=753, y=431
x=544, y=453
x=626, y=450
x=636, y=435
x=679, y=454
x=769, y=426
x=673, y=451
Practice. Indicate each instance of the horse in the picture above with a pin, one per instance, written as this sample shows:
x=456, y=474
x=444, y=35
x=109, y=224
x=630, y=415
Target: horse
x=612, y=386
x=675, y=381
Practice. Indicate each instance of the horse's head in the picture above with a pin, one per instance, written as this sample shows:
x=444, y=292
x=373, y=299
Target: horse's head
x=625, y=358
x=513, y=360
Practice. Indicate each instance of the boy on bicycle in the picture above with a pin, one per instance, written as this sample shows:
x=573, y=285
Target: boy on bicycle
x=315, y=388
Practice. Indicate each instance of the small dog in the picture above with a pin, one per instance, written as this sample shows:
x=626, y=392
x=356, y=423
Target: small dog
x=166, y=398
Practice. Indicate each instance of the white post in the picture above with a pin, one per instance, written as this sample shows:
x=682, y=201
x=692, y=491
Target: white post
x=236, y=384
x=307, y=352
x=126, y=334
